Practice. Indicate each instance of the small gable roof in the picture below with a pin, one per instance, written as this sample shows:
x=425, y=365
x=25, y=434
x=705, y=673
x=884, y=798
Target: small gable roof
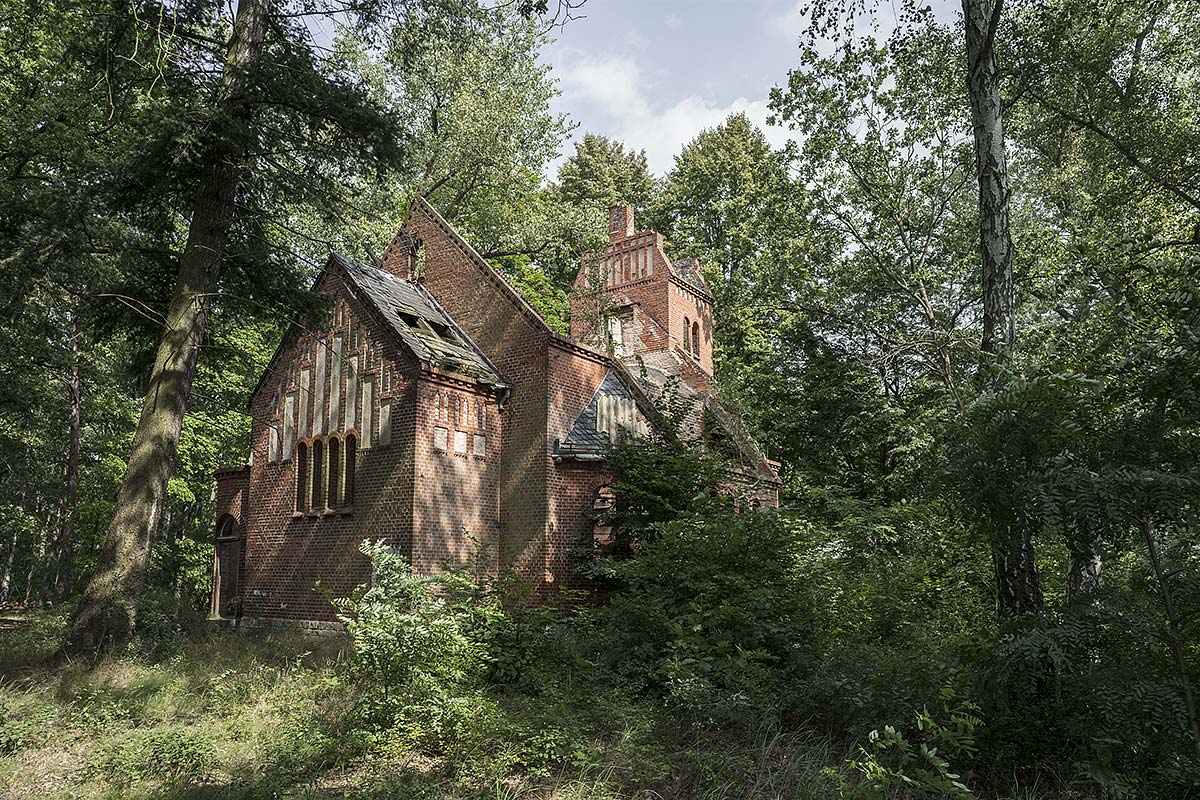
x=688, y=270
x=585, y=441
x=421, y=323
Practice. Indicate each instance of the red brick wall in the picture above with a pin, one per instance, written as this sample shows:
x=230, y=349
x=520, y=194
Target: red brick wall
x=456, y=513
x=286, y=552
x=663, y=301
x=516, y=341
x=232, y=486
x=577, y=375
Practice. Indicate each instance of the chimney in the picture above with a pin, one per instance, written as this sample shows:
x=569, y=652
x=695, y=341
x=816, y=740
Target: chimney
x=620, y=223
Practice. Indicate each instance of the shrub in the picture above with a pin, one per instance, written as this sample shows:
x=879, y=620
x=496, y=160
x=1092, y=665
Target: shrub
x=19, y=731
x=411, y=646
x=896, y=763
x=710, y=612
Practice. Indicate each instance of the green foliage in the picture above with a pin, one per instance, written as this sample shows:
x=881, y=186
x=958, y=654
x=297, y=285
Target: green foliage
x=601, y=172
x=414, y=652
x=894, y=764
x=173, y=755
x=711, y=613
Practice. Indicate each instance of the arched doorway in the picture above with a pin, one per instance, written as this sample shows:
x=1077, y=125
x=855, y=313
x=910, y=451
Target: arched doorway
x=226, y=563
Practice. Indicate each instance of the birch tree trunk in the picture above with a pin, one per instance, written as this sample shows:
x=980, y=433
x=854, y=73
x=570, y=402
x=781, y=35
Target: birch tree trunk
x=1018, y=585
x=108, y=611
x=6, y=578
x=58, y=582
x=982, y=18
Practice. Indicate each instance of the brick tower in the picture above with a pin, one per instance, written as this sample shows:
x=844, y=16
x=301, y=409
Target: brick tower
x=632, y=301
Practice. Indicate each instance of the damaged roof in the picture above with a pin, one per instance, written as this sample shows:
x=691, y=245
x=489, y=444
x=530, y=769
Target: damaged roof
x=585, y=441
x=420, y=322
x=689, y=270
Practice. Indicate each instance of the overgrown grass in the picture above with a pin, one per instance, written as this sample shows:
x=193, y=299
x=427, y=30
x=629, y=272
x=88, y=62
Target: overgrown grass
x=228, y=714
x=268, y=715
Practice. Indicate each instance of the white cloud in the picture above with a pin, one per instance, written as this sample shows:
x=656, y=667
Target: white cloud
x=613, y=85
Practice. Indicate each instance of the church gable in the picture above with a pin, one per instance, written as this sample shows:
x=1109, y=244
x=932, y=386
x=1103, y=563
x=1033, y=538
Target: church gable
x=612, y=411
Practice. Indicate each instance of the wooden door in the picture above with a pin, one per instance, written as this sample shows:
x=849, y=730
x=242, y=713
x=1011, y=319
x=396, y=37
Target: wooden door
x=228, y=558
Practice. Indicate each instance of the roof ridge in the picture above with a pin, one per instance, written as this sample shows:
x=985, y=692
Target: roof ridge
x=487, y=269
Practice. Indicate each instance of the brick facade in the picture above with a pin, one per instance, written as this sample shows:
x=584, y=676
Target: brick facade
x=461, y=408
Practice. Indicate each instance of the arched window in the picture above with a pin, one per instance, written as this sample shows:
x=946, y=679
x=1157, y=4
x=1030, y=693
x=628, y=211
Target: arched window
x=335, y=473
x=318, y=475
x=351, y=451
x=602, y=503
x=687, y=326
x=302, y=477
x=696, y=339
x=227, y=527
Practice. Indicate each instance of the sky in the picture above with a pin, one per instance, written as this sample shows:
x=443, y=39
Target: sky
x=654, y=73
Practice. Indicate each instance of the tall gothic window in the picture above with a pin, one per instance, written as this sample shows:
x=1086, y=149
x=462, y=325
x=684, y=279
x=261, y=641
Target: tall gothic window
x=318, y=475
x=687, y=326
x=301, y=477
x=351, y=449
x=335, y=473
x=696, y=339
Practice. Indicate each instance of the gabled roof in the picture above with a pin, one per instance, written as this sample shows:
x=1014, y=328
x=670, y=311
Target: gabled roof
x=688, y=270
x=420, y=322
x=585, y=441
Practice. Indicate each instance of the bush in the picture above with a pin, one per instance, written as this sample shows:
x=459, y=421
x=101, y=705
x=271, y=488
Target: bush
x=412, y=648
x=711, y=613
x=895, y=763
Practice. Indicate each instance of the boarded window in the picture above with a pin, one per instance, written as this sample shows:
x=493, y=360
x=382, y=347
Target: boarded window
x=385, y=423
x=460, y=442
x=335, y=385
x=616, y=335
x=273, y=436
x=319, y=395
x=480, y=445
x=352, y=394
x=441, y=438
x=368, y=412
x=289, y=425
x=615, y=414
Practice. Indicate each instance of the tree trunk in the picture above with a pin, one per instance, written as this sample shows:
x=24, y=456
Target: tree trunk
x=1173, y=636
x=982, y=17
x=6, y=578
x=108, y=610
x=37, y=557
x=61, y=548
x=1018, y=588
x=1085, y=563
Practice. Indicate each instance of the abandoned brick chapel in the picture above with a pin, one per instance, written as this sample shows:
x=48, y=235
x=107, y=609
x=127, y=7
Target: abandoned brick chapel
x=436, y=410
